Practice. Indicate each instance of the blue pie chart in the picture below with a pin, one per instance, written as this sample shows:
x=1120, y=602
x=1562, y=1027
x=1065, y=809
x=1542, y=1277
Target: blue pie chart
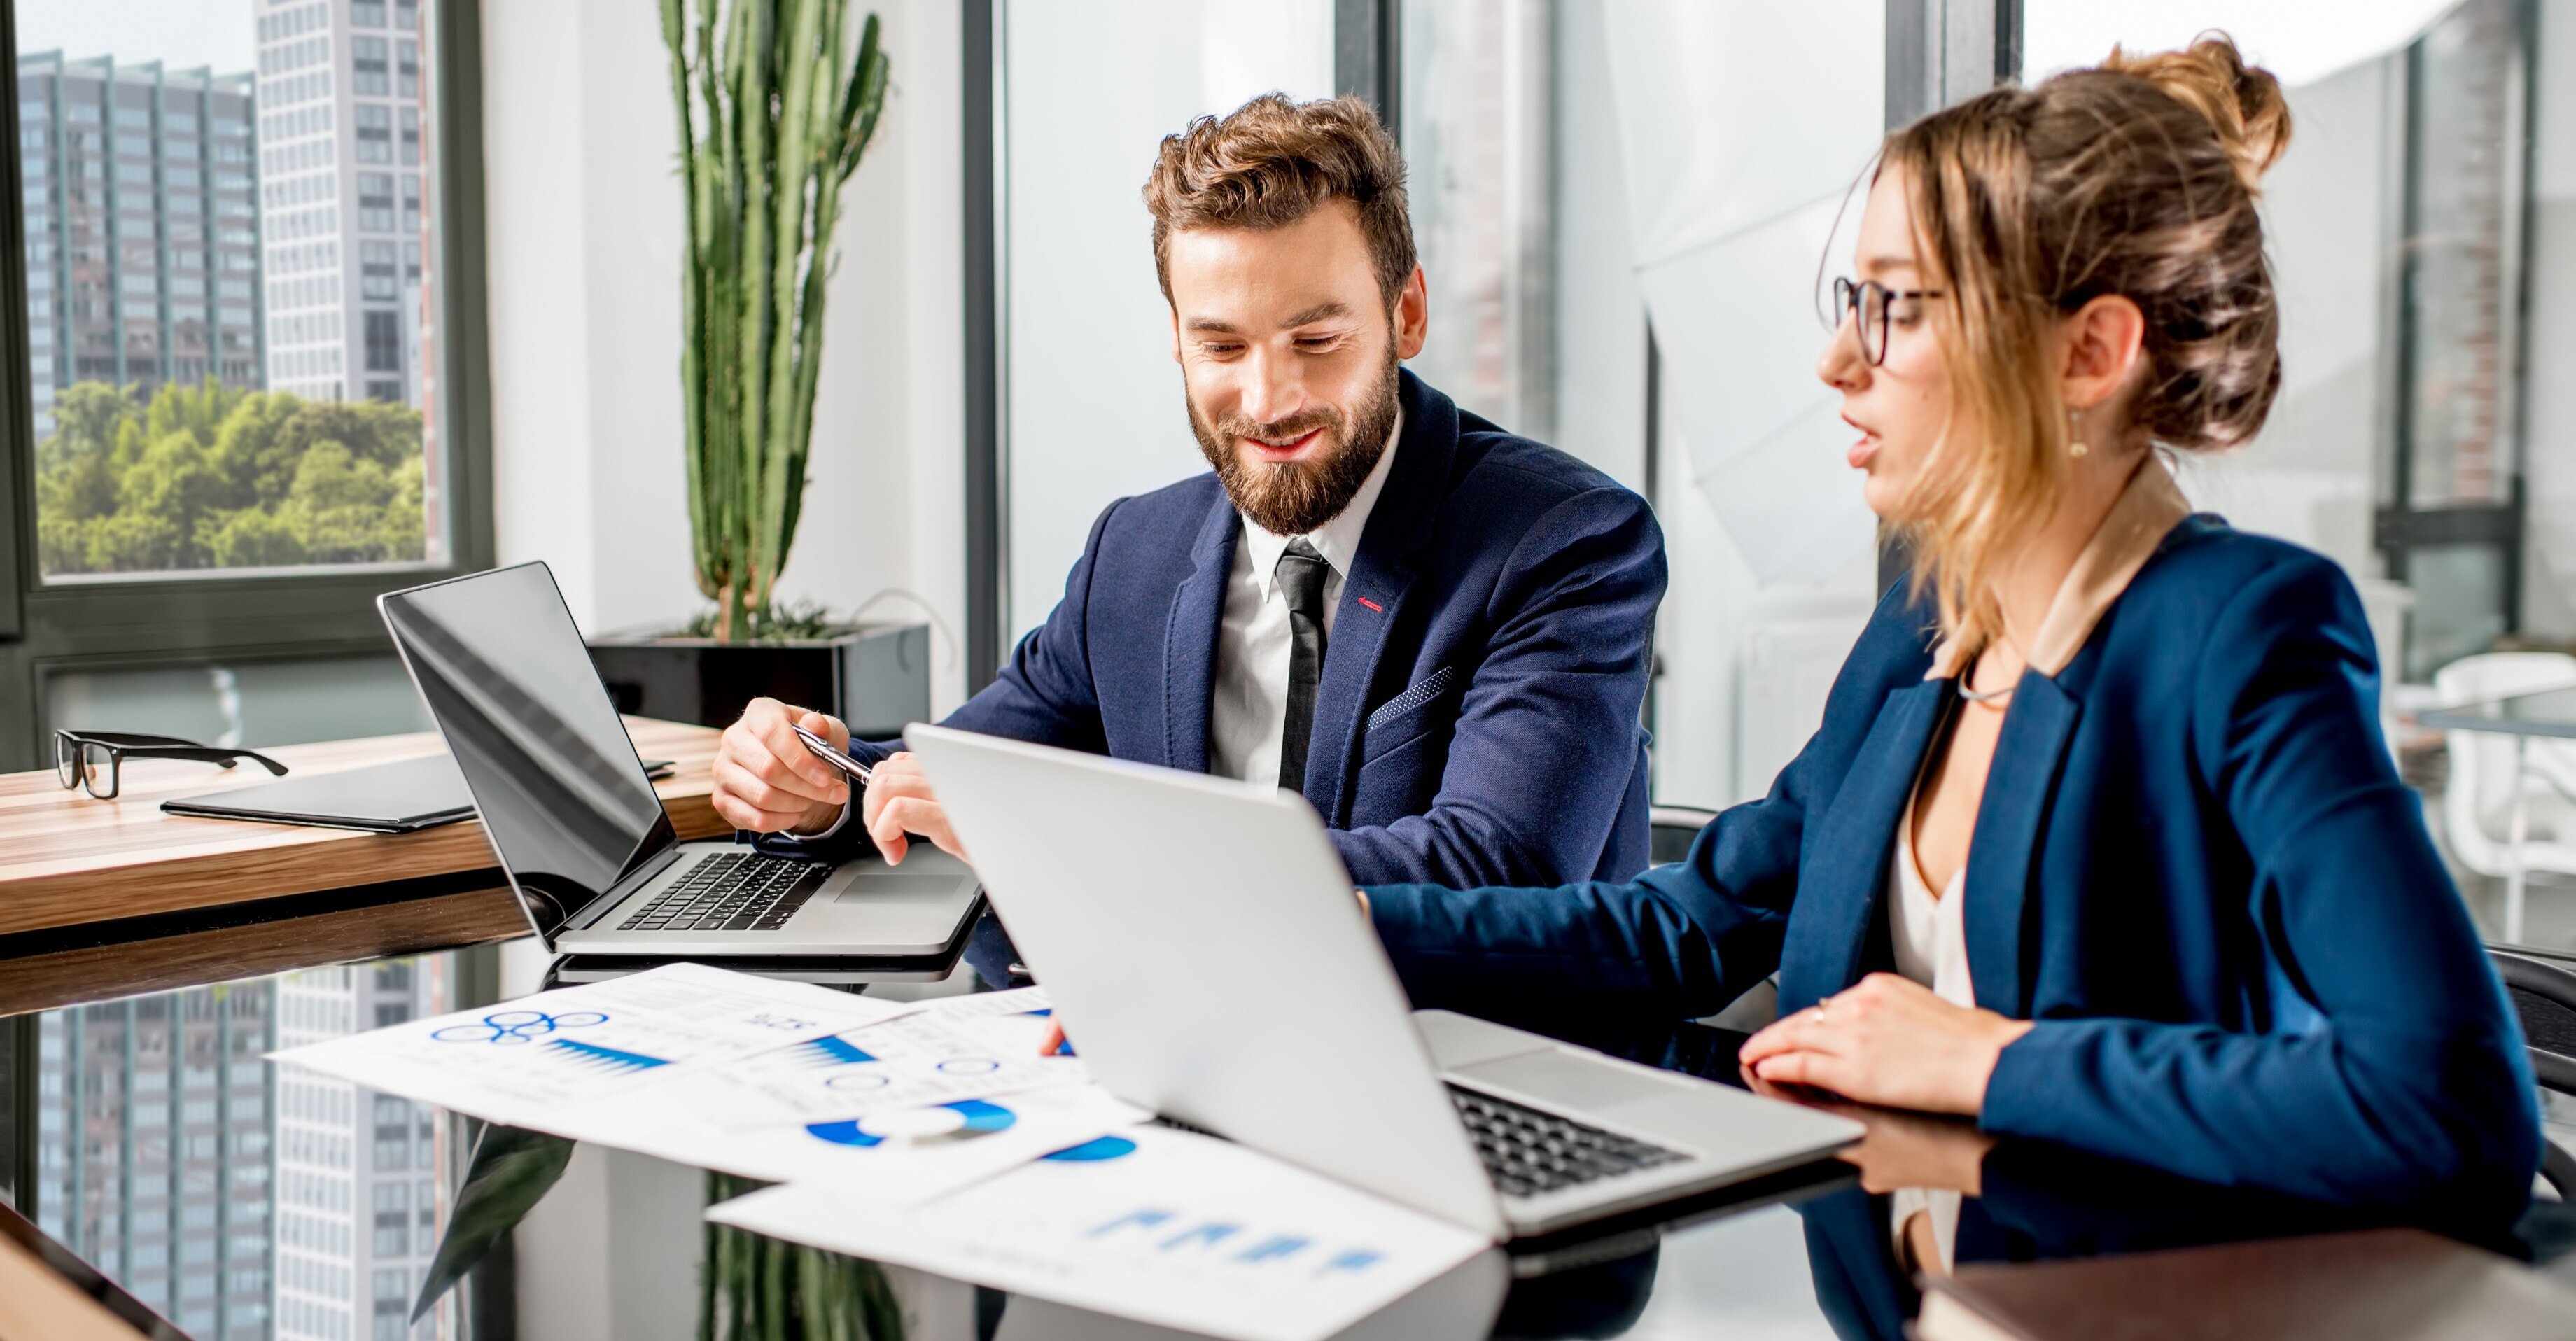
x=962, y=1120
x=1105, y=1147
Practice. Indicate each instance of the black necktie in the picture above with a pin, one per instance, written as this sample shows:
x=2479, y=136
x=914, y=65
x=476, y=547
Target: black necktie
x=1301, y=578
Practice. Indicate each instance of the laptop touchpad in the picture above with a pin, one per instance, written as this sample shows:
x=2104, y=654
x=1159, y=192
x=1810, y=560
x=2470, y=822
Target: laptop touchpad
x=869, y=885
x=1566, y=1078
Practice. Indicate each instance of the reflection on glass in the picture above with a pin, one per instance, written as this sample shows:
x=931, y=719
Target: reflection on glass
x=2462, y=135
x=228, y=333
x=1478, y=116
x=242, y=1202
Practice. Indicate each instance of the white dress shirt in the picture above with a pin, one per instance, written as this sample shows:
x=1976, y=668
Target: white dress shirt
x=1248, y=712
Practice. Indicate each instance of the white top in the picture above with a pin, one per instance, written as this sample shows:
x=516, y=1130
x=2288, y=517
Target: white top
x=1248, y=710
x=1931, y=943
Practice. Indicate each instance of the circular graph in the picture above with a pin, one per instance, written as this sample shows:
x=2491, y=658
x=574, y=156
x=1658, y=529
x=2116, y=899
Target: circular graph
x=505, y=1027
x=963, y=1120
x=1106, y=1147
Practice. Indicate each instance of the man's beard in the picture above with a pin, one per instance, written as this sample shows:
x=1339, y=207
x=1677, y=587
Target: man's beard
x=1297, y=497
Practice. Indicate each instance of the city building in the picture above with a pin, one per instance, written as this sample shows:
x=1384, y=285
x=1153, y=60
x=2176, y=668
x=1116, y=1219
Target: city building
x=340, y=143
x=141, y=206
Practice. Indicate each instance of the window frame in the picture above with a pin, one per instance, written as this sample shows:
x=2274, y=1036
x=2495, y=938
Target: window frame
x=211, y=616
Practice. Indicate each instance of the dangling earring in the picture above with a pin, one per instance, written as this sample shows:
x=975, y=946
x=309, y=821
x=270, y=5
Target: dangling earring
x=2075, y=445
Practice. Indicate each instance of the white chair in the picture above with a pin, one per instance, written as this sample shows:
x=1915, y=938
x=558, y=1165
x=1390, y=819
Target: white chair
x=2477, y=806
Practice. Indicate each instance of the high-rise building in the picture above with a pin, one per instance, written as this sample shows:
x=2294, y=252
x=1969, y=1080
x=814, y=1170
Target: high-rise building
x=143, y=251
x=153, y=1156
x=340, y=141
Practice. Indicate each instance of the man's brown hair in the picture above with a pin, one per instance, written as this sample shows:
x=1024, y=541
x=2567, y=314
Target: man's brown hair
x=1269, y=163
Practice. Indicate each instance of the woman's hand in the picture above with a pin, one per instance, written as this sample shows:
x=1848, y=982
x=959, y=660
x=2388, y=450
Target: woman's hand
x=1887, y=1041
x=1902, y=1149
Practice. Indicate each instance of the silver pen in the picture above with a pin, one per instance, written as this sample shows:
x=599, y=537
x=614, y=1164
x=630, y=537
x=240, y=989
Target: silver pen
x=823, y=750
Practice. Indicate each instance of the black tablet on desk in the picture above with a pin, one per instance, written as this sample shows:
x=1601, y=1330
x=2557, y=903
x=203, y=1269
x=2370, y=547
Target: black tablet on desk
x=398, y=797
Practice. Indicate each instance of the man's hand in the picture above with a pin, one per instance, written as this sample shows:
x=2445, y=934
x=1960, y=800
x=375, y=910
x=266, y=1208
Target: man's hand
x=899, y=802
x=767, y=781
x=1887, y=1041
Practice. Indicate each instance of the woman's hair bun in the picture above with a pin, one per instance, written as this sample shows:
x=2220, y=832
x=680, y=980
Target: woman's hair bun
x=2243, y=103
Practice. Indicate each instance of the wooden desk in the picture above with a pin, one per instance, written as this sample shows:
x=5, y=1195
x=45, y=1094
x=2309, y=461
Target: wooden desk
x=71, y=861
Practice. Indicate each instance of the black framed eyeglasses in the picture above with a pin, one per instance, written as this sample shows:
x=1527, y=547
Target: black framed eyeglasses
x=94, y=759
x=1878, y=307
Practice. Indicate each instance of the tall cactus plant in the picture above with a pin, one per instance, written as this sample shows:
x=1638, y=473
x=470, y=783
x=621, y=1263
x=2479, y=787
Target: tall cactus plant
x=771, y=124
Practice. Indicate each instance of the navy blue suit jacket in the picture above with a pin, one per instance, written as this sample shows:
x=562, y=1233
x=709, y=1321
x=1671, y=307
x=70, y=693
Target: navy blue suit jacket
x=2194, y=867
x=1477, y=721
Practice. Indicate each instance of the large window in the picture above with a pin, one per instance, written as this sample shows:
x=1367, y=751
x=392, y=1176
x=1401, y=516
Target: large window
x=1076, y=255
x=204, y=346
x=233, y=431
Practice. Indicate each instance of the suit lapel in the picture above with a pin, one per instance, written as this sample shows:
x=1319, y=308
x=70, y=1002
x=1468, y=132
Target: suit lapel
x=1373, y=594
x=2005, y=844
x=1189, y=639
x=1845, y=878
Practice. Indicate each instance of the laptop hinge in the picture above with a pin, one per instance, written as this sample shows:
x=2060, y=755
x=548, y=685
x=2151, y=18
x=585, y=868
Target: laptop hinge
x=616, y=894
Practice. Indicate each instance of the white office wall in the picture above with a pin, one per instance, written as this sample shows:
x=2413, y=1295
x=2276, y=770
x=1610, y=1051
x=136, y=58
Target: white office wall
x=584, y=251
x=1093, y=403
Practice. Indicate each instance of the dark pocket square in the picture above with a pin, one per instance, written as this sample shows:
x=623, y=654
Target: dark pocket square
x=1431, y=687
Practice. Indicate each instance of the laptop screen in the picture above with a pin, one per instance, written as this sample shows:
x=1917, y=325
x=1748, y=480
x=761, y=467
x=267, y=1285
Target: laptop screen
x=561, y=791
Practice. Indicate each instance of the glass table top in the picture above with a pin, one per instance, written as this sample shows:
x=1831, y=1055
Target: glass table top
x=2548, y=713
x=246, y=1203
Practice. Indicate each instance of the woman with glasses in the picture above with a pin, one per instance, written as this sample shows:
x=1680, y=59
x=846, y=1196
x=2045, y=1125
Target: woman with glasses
x=2098, y=842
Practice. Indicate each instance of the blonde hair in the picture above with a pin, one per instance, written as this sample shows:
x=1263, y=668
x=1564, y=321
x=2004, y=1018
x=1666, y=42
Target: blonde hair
x=2136, y=178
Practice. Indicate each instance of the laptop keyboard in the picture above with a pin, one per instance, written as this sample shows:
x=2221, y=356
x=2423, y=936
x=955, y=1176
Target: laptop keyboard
x=1527, y=1152
x=732, y=891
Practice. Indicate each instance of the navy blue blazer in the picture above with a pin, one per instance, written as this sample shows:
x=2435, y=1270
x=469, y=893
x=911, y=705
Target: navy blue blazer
x=1477, y=721
x=2194, y=867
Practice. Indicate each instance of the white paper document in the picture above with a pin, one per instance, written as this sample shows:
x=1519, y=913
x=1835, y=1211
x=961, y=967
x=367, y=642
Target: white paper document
x=972, y=1047
x=527, y=1062
x=1157, y=1225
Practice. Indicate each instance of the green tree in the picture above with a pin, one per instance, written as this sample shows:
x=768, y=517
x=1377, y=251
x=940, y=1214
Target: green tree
x=201, y=476
x=252, y=538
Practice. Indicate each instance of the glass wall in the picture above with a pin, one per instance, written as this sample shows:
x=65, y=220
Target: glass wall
x=228, y=260
x=1092, y=404
x=2416, y=439
x=1479, y=113
x=243, y=1202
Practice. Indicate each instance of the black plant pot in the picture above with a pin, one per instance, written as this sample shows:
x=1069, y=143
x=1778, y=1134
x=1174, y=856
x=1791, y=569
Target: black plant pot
x=876, y=677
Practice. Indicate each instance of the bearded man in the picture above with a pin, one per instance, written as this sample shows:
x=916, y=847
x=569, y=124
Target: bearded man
x=1438, y=632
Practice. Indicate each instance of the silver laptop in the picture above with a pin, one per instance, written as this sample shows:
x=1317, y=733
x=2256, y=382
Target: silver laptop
x=1200, y=940
x=576, y=823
